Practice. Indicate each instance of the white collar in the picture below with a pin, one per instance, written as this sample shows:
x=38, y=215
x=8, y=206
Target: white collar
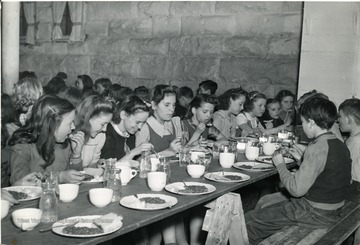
x=160, y=129
x=117, y=130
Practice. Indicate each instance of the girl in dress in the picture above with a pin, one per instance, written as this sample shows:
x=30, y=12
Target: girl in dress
x=94, y=114
x=44, y=145
x=271, y=120
x=161, y=129
x=231, y=103
x=198, y=119
x=129, y=117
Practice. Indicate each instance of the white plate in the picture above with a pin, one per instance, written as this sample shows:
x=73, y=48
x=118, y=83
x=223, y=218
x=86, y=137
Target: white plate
x=177, y=188
x=221, y=177
x=135, y=203
x=33, y=192
x=268, y=159
x=86, y=219
x=253, y=166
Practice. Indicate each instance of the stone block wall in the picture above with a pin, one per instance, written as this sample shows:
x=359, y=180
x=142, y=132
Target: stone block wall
x=252, y=44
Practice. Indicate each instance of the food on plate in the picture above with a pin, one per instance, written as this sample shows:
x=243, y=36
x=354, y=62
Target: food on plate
x=194, y=189
x=152, y=200
x=18, y=195
x=82, y=230
x=233, y=177
x=247, y=166
x=87, y=226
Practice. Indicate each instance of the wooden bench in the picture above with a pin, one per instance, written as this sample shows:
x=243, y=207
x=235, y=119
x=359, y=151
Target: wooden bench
x=335, y=235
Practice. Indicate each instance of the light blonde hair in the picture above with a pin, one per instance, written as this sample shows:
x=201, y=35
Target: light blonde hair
x=27, y=91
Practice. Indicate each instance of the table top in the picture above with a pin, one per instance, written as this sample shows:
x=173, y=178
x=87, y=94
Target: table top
x=132, y=219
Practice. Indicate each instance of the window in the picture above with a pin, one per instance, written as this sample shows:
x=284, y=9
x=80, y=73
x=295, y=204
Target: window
x=66, y=23
x=23, y=23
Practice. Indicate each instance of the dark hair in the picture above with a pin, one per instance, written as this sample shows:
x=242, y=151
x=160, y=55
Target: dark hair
x=62, y=75
x=351, y=107
x=160, y=91
x=234, y=94
x=87, y=82
x=209, y=85
x=55, y=85
x=27, y=74
x=271, y=101
x=7, y=110
x=72, y=94
x=105, y=82
x=90, y=107
x=199, y=100
x=252, y=98
x=311, y=94
x=131, y=104
x=321, y=110
x=284, y=93
x=185, y=92
x=143, y=93
x=46, y=117
x=90, y=92
x=118, y=93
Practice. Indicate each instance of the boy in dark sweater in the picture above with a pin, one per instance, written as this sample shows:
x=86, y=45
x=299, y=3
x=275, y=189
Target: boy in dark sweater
x=320, y=185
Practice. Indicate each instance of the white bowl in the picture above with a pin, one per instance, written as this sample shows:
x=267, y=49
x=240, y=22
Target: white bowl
x=5, y=206
x=27, y=218
x=195, y=170
x=100, y=197
x=68, y=192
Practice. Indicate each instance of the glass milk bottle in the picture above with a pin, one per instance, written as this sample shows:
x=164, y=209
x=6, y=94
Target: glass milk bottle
x=145, y=164
x=48, y=204
x=114, y=183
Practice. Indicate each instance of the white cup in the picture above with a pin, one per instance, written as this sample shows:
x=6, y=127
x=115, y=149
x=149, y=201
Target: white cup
x=226, y=159
x=268, y=148
x=251, y=152
x=68, y=192
x=100, y=197
x=126, y=174
x=195, y=170
x=27, y=218
x=195, y=155
x=156, y=180
x=5, y=206
x=155, y=162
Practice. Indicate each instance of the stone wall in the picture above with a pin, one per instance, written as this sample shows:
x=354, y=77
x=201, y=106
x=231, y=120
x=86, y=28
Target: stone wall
x=252, y=44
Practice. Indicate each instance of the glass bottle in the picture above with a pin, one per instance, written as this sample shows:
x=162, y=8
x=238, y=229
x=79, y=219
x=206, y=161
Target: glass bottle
x=114, y=183
x=145, y=164
x=109, y=165
x=48, y=203
x=164, y=166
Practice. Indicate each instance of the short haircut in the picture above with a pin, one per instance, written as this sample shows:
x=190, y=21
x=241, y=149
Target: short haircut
x=160, y=91
x=55, y=85
x=284, y=93
x=321, y=110
x=105, y=82
x=143, y=93
x=271, y=101
x=63, y=75
x=72, y=94
x=185, y=92
x=253, y=97
x=234, y=94
x=351, y=107
x=209, y=85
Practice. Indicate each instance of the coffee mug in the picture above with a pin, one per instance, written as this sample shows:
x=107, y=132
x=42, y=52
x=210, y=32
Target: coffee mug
x=126, y=174
x=156, y=180
x=269, y=148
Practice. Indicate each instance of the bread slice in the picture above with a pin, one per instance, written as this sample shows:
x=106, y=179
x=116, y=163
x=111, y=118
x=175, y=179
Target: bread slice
x=109, y=222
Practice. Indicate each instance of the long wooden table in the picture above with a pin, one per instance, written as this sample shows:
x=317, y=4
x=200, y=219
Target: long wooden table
x=133, y=219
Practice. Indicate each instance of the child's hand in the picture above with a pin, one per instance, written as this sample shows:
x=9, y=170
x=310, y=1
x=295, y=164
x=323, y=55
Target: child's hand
x=175, y=145
x=200, y=128
x=295, y=153
x=77, y=143
x=278, y=158
x=143, y=147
